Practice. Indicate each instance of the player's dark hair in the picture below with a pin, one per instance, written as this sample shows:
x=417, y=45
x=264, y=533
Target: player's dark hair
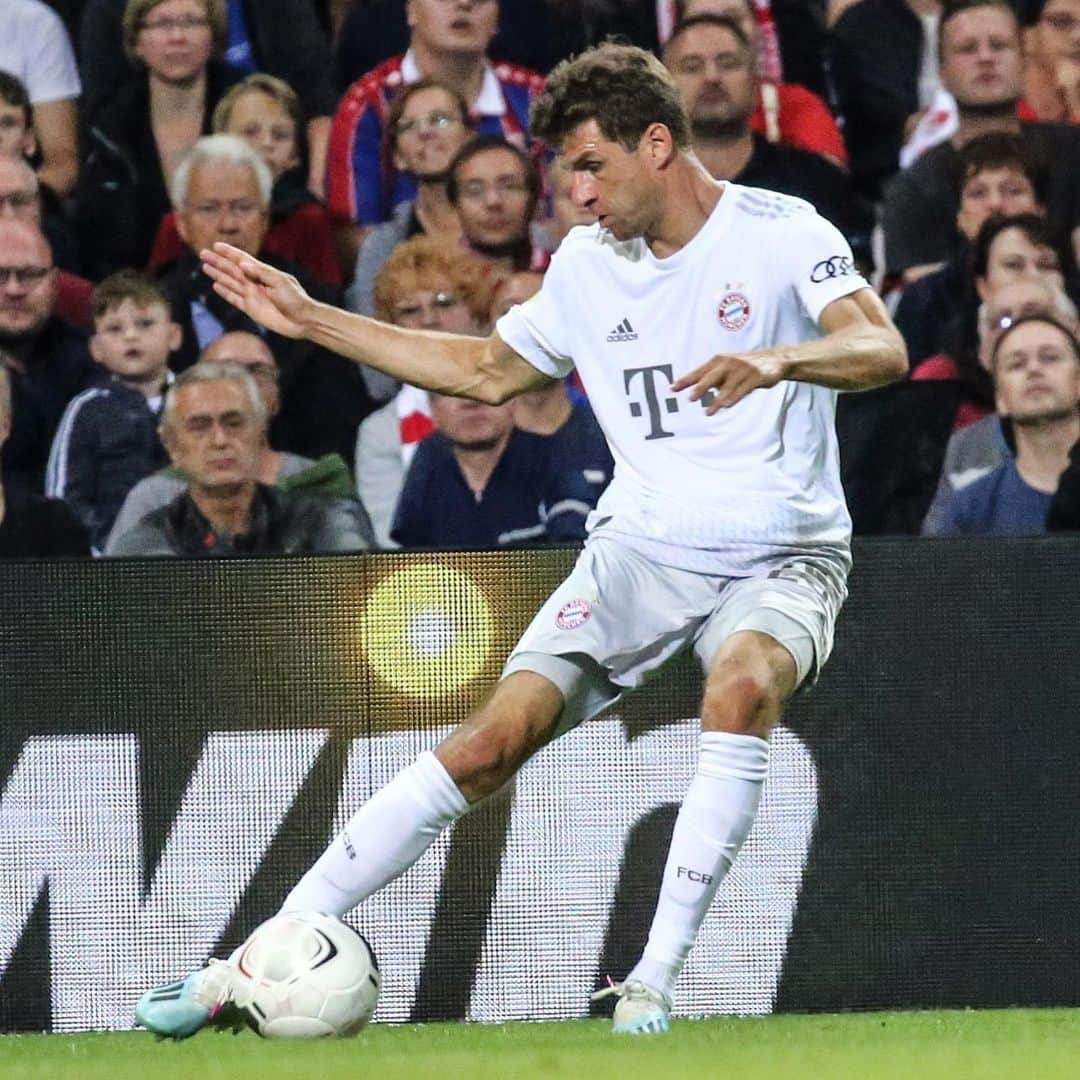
x=958, y=7
x=723, y=22
x=1049, y=320
x=482, y=144
x=623, y=88
x=14, y=92
x=1002, y=150
x=134, y=285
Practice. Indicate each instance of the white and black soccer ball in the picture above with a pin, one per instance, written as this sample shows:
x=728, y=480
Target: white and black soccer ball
x=305, y=975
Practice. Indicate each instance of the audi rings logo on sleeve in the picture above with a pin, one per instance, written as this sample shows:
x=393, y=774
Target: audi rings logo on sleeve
x=836, y=266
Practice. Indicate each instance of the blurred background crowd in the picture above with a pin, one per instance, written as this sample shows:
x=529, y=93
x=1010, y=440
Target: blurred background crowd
x=380, y=151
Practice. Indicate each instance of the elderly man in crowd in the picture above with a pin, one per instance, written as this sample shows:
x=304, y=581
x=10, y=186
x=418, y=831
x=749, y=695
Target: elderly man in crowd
x=328, y=477
x=221, y=191
x=214, y=428
x=49, y=360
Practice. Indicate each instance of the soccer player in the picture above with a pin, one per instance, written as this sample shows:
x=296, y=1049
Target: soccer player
x=711, y=325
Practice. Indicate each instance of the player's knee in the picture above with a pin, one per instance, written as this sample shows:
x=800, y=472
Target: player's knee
x=742, y=702
x=482, y=755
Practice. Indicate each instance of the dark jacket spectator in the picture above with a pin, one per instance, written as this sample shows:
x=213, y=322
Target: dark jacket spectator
x=33, y=527
x=323, y=397
x=107, y=443
x=123, y=195
x=281, y=524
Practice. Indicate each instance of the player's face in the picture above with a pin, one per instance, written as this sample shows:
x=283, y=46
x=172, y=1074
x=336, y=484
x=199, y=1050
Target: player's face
x=27, y=282
x=16, y=138
x=616, y=185
x=18, y=192
x=981, y=63
x=1013, y=257
x=471, y=425
x=494, y=201
x=214, y=435
x=1037, y=375
x=134, y=342
x=223, y=203
x=261, y=121
x=175, y=41
x=993, y=191
x=1058, y=31
x=736, y=10
x=436, y=308
x=461, y=26
x=431, y=130
x=251, y=352
x=715, y=75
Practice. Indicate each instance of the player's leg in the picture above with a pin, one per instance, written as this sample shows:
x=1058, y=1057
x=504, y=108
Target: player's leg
x=386, y=835
x=751, y=679
x=765, y=638
x=401, y=821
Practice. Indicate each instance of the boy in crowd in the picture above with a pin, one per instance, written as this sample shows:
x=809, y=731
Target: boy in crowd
x=107, y=440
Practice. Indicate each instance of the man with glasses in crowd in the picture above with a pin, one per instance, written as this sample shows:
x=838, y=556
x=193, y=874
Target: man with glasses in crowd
x=495, y=188
x=48, y=359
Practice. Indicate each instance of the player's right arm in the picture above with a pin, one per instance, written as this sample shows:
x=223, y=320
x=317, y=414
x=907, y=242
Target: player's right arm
x=484, y=369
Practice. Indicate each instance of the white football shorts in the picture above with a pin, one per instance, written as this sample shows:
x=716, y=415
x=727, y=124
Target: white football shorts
x=619, y=616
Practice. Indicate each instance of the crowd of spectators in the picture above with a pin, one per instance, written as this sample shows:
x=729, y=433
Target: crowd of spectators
x=380, y=151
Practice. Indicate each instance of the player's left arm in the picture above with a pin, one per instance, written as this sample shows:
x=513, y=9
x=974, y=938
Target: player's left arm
x=860, y=349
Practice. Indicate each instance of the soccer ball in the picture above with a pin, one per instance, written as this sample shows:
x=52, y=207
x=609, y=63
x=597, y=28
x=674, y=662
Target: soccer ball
x=307, y=975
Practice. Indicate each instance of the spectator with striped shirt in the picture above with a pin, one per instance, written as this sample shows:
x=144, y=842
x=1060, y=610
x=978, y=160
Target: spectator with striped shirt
x=448, y=41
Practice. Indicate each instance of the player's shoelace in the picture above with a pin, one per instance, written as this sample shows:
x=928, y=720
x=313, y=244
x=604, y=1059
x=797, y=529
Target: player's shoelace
x=633, y=990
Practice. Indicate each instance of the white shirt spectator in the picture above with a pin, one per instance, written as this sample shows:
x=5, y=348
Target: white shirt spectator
x=35, y=47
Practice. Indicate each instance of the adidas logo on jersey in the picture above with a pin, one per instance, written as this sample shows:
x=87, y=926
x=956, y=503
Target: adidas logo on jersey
x=623, y=332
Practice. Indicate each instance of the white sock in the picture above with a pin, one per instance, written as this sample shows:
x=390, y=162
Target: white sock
x=382, y=839
x=714, y=820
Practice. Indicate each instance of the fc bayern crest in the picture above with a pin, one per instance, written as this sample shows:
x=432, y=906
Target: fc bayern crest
x=573, y=614
x=734, y=311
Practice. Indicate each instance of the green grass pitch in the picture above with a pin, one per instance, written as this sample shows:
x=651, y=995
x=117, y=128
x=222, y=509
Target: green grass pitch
x=1022, y=1044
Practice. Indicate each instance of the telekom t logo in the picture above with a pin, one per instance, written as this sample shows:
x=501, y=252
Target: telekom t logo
x=654, y=398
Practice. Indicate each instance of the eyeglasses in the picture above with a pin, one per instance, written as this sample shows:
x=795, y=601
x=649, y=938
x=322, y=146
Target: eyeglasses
x=24, y=275
x=166, y=24
x=474, y=190
x=238, y=207
x=18, y=200
x=437, y=120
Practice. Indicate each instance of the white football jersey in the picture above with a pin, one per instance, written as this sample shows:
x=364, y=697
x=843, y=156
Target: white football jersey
x=753, y=485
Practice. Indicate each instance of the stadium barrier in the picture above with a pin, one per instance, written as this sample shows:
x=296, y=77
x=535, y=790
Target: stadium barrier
x=179, y=740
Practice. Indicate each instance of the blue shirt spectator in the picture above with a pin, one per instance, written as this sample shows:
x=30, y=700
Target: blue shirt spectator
x=1000, y=504
x=529, y=498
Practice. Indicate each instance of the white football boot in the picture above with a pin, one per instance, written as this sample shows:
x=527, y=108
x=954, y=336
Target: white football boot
x=640, y=1010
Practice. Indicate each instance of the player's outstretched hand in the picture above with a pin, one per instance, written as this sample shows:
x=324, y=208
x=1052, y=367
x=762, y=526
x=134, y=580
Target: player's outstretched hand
x=728, y=379
x=270, y=297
